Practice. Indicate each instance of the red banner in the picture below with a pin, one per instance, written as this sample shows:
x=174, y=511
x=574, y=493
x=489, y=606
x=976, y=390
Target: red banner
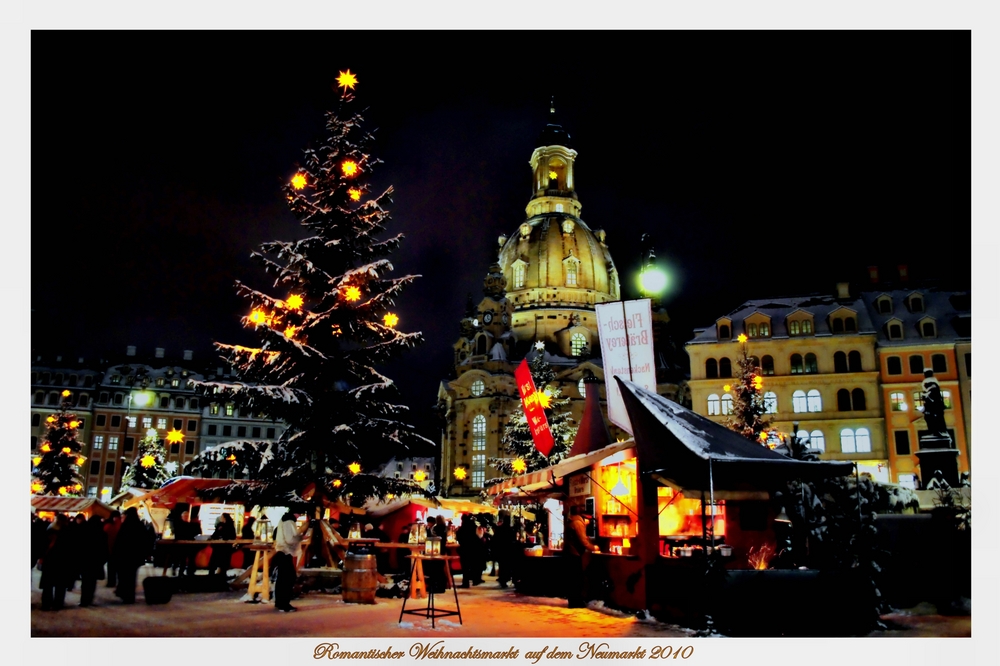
x=534, y=409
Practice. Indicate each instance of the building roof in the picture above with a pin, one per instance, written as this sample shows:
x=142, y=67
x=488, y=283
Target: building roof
x=553, y=134
x=950, y=310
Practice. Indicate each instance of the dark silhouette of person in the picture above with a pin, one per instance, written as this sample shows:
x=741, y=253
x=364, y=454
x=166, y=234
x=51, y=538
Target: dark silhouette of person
x=471, y=553
x=288, y=548
x=111, y=527
x=577, y=547
x=504, y=544
x=222, y=552
x=130, y=551
x=56, y=564
x=93, y=555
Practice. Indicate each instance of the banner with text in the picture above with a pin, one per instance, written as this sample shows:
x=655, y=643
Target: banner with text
x=626, y=331
x=534, y=409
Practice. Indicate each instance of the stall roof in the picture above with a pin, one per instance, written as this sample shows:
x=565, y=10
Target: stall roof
x=458, y=506
x=682, y=448
x=183, y=490
x=551, y=477
x=70, y=504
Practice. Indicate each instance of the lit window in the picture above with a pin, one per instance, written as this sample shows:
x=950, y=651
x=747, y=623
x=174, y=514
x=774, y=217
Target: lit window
x=175, y=382
x=847, y=444
x=570, y=281
x=727, y=404
x=518, y=275
x=582, y=387
x=793, y=328
x=113, y=443
x=213, y=409
x=807, y=327
x=92, y=491
x=765, y=330
x=116, y=379
x=478, y=387
x=863, y=440
x=147, y=422
x=918, y=401
x=799, y=402
x=479, y=433
x=106, y=493
x=714, y=406
x=897, y=401
x=770, y=403
x=98, y=442
x=816, y=441
x=752, y=330
x=946, y=399
x=131, y=421
x=578, y=343
x=907, y=481
x=814, y=401
x=478, y=469
x=230, y=409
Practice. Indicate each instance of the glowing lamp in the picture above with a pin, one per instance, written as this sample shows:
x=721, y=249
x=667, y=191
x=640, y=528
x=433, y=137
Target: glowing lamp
x=66, y=450
x=354, y=193
x=294, y=301
x=742, y=337
x=553, y=175
x=231, y=458
x=519, y=465
x=626, y=543
x=299, y=181
x=74, y=424
x=147, y=461
x=63, y=491
x=151, y=432
x=460, y=473
x=432, y=546
x=50, y=419
x=78, y=487
x=349, y=167
x=620, y=490
x=337, y=483
x=652, y=280
x=46, y=447
x=36, y=487
x=36, y=460
x=81, y=460
x=763, y=437
x=65, y=393
x=352, y=293
x=347, y=80
x=419, y=476
x=142, y=398
x=175, y=437
x=290, y=331
x=354, y=468
x=390, y=320
x=355, y=531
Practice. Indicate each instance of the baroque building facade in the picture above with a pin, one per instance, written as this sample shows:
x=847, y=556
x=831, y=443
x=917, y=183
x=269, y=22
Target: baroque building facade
x=539, y=298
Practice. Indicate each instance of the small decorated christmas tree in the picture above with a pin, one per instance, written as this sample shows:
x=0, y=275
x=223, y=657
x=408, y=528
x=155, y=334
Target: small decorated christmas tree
x=322, y=335
x=147, y=470
x=520, y=454
x=749, y=407
x=55, y=464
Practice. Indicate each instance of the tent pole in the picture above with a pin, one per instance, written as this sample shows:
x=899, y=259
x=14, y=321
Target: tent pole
x=711, y=499
x=704, y=532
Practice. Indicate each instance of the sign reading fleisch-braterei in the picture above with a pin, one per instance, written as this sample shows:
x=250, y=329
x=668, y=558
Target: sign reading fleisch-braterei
x=626, y=332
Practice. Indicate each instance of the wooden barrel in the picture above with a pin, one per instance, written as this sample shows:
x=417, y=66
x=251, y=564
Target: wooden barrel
x=360, y=579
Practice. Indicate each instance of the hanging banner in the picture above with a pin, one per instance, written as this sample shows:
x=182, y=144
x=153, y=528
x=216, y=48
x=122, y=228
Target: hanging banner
x=626, y=332
x=534, y=409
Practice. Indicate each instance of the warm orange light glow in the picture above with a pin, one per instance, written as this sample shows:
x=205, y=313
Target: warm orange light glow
x=758, y=382
x=352, y=293
x=460, y=473
x=78, y=487
x=626, y=543
x=81, y=460
x=65, y=393
x=335, y=330
x=760, y=557
x=66, y=450
x=544, y=399
x=46, y=447
x=36, y=487
x=763, y=437
x=553, y=175
x=519, y=465
x=419, y=476
x=258, y=317
x=147, y=461
x=36, y=460
x=299, y=181
x=74, y=424
x=726, y=388
x=347, y=80
x=354, y=193
x=290, y=331
x=354, y=468
x=175, y=437
x=349, y=167
x=294, y=301
x=741, y=337
x=50, y=419
x=231, y=458
x=390, y=320
x=63, y=491
x=337, y=483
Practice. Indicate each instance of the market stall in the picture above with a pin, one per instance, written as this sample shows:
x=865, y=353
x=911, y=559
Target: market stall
x=46, y=506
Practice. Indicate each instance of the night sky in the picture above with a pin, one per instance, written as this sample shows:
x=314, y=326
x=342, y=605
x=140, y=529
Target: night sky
x=761, y=163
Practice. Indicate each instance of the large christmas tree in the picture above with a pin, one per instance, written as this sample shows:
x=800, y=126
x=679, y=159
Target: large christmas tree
x=749, y=407
x=55, y=463
x=324, y=332
x=147, y=468
x=520, y=454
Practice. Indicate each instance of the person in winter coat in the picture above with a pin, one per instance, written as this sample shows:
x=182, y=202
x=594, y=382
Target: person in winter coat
x=221, y=553
x=288, y=548
x=441, y=528
x=57, y=564
x=111, y=527
x=93, y=555
x=471, y=554
x=129, y=553
x=503, y=549
x=577, y=547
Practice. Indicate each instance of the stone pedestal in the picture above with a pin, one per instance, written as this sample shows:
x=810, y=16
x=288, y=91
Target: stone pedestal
x=937, y=452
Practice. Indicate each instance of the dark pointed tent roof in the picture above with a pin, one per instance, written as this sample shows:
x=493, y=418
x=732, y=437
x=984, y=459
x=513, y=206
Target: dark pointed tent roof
x=553, y=134
x=593, y=432
x=682, y=448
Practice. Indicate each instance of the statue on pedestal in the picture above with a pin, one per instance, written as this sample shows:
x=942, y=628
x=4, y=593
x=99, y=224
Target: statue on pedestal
x=933, y=406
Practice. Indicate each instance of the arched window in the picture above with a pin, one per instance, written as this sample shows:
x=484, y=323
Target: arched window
x=578, y=344
x=854, y=361
x=893, y=366
x=916, y=364
x=895, y=332
x=849, y=325
x=765, y=330
x=518, y=275
x=727, y=404
x=793, y=328
x=928, y=329
x=581, y=386
x=796, y=361
x=847, y=444
x=724, y=333
x=481, y=343
x=711, y=368
x=807, y=327
x=477, y=388
x=752, y=330
x=53, y=398
x=570, y=273
x=767, y=365
x=36, y=418
x=811, y=366
x=858, y=399
x=725, y=367
x=179, y=403
x=83, y=401
x=816, y=441
x=863, y=440
x=814, y=401
x=885, y=305
x=838, y=325
x=939, y=363
x=770, y=403
x=479, y=433
x=840, y=362
x=916, y=304
x=72, y=380
x=40, y=397
x=714, y=406
x=843, y=400
x=799, y=402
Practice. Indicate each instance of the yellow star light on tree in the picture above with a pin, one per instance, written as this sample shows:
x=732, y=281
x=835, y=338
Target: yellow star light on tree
x=741, y=337
x=299, y=181
x=65, y=393
x=347, y=80
x=354, y=467
x=36, y=460
x=553, y=175
x=544, y=399
x=78, y=487
x=519, y=465
x=460, y=473
x=349, y=167
x=337, y=483
x=66, y=450
x=63, y=491
x=758, y=382
x=390, y=320
x=46, y=448
x=231, y=458
x=354, y=193
x=294, y=301
x=258, y=317
x=726, y=388
x=352, y=293
x=80, y=461
x=147, y=461
x=36, y=487
x=175, y=437
x=74, y=424
x=290, y=331
x=419, y=476
x=50, y=419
